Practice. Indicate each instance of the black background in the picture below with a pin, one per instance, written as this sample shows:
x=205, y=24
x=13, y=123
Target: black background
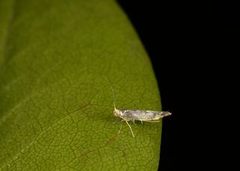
x=190, y=45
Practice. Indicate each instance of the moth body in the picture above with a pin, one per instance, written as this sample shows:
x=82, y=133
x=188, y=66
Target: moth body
x=140, y=115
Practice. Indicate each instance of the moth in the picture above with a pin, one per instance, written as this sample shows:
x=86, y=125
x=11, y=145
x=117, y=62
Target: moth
x=137, y=115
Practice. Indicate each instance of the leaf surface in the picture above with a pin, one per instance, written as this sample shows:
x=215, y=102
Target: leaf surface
x=58, y=62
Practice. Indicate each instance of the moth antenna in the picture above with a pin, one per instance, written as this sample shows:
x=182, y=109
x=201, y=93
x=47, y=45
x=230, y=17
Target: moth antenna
x=113, y=94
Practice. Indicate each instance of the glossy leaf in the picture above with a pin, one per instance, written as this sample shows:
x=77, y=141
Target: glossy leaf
x=58, y=61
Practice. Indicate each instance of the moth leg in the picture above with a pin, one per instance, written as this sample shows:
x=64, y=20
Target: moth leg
x=130, y=128
x=153, y=121
x=119, y=131
x=141, y=121
x=133, y=121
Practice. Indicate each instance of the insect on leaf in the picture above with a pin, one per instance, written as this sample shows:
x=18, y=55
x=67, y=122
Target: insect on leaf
x=56, y=109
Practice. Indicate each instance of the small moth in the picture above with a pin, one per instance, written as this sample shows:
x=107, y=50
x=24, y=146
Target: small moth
x=137, y=115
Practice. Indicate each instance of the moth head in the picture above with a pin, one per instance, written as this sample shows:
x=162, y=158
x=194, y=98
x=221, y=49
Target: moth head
x=117, y=112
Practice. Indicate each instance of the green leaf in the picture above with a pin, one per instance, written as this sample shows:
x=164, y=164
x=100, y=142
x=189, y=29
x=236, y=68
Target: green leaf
x=58, y=61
